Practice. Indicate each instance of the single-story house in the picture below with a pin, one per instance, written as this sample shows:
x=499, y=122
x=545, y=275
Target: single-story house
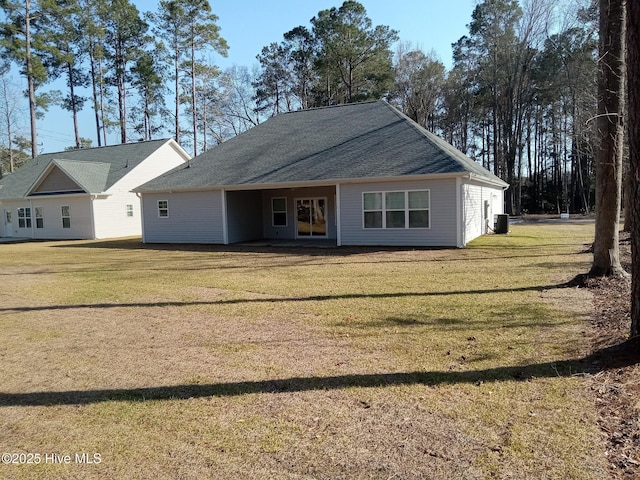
x=356, y=174
x=83, y=194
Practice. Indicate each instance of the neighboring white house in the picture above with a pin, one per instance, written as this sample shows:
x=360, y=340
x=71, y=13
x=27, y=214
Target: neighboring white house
x=357, y=174
x=83, y=194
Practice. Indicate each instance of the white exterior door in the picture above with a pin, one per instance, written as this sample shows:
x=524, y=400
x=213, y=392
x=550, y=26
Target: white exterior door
x=8, y=225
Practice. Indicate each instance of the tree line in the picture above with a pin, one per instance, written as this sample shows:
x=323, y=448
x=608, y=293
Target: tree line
x=518, y=99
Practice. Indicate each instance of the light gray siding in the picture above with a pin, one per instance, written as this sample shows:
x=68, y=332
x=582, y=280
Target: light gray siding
x=80, y=220
x=194, y=217
x=443, y=216
x=244, y=216
x=292, y=194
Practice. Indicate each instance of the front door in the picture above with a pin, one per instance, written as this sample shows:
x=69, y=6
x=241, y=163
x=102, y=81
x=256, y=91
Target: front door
x=312, y=217
x=8, y=225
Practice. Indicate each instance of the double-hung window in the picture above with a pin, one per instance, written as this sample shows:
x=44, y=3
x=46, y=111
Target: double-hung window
x=66, y=216
x=279, y=212
x=402, y=209
x=24, y=217
x=418, y=208
x=163, y=208
x=129, y=210
x=39, y=217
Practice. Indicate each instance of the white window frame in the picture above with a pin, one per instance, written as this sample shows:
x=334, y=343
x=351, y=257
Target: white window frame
x=65, y=217
x=273, y=212
x=129, y=209
x=24, y=220
x=40, y=217
x=163, y=209
x=384, y=209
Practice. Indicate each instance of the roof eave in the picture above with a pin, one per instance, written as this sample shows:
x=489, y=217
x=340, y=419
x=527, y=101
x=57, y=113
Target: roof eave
x=306, y=183
x=493, y=181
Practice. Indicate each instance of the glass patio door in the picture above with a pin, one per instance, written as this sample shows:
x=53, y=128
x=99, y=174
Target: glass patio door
x=312, y=217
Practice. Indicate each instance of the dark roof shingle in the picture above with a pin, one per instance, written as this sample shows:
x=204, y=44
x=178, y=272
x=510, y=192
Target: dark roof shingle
x=94, y=169
x=364, y=140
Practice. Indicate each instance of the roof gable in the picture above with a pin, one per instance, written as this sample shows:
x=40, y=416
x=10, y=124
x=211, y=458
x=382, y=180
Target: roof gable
x=354, y=141
x=54, y=180
x=94, y=170
x=70, y=176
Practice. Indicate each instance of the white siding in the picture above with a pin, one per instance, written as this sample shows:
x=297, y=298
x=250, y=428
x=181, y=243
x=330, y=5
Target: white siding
x=111, y=216
x=162, y=160
x=111, y=211
x=80, y=217
x=443, y=222
x=475, y=218
x=194, y=217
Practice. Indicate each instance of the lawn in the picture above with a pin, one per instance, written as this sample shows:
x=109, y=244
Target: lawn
x=231, y=362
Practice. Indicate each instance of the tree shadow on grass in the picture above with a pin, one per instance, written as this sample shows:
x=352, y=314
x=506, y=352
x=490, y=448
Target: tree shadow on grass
x=312, y=298
x=614, y=357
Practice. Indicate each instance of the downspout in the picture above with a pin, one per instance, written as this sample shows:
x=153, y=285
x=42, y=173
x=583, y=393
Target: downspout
x=141, y=215
x=225, y=229
x=338, y=222
x=93, y=221
x=459, y=214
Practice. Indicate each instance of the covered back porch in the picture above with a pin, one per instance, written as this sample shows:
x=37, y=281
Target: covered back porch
x=300, y=214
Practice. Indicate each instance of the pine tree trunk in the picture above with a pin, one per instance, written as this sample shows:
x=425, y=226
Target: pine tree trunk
x=31, y=91
x=94, y=91
x=633, y=75
x=74, y=106
x=611, y=84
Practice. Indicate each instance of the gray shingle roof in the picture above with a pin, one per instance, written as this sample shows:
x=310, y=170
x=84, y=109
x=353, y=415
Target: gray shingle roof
x=94, y=169
x=364, y=140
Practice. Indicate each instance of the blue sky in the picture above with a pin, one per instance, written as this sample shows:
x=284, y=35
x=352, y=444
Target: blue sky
x=249, y=25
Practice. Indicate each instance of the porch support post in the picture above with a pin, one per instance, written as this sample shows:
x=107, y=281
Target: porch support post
x=338, y=222
x=225, y=227
x=460, y=213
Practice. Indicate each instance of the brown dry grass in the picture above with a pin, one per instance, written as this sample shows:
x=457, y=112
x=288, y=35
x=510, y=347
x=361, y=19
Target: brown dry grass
x=212, y=362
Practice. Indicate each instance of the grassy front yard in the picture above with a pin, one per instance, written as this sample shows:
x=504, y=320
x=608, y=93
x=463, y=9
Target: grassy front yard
x=228, y=363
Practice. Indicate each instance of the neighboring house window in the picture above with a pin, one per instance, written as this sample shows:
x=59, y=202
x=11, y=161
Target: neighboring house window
x=39, y=218
x=129, y=210
x=8, y=216
x=163, y=208
x=66, y=216
x=24, y=217
x=406, y=209
x=279, y=211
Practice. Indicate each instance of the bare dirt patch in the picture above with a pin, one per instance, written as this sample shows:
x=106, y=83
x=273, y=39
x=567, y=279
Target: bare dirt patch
x=617, y=385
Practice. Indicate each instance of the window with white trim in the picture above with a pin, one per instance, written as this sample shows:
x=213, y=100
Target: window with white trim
x=396, y=209
x=39, y=217
x=129, y=210
x=24, y=217
x=163, y=208
x=279, y=211
x=66, y=216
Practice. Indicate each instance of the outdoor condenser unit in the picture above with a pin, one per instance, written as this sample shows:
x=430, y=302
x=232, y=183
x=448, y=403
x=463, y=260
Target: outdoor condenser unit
x=501, y=223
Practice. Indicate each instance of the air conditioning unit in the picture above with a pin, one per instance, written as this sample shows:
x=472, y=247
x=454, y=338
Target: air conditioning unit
x=501, y=223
